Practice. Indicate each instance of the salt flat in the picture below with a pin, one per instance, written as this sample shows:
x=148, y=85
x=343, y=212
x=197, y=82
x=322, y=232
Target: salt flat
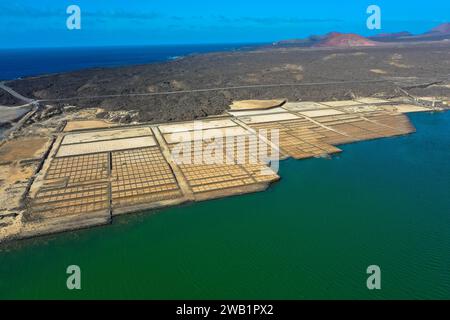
x=90, y=176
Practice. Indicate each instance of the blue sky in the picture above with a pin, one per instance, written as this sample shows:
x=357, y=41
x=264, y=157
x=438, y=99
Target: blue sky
x=31, y=23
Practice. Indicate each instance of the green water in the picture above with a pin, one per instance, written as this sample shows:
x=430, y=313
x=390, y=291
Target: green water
x=312, y=235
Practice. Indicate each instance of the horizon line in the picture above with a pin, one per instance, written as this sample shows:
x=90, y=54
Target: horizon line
x=139, y=45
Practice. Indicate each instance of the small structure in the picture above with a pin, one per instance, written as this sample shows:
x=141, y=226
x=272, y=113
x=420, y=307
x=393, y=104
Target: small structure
x=256, y=104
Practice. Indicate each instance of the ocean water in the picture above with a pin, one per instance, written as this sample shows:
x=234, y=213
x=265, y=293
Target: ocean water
x=15, y=63
x=311, y=235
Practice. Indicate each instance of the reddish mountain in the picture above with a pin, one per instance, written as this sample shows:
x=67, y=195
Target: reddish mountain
x=336, y=39
x=345, y=40
x=440, y=29
x=332, y=34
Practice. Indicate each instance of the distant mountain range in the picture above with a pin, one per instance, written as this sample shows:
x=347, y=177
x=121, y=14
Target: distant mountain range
x=441, y=32
x=345, y=40
x=441, y=29
x=393, y=35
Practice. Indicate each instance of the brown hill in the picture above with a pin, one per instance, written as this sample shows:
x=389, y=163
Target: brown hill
x=440, y=29
x=345, y=40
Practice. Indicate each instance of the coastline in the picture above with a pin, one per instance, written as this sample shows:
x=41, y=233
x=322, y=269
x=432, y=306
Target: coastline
x=242, y=75
x=241, y=240
x=335, y=104
x=42, y=214
x=145, y=55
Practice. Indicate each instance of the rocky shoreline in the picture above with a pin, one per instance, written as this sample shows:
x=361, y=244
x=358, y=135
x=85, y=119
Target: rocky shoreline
x=172, y=91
